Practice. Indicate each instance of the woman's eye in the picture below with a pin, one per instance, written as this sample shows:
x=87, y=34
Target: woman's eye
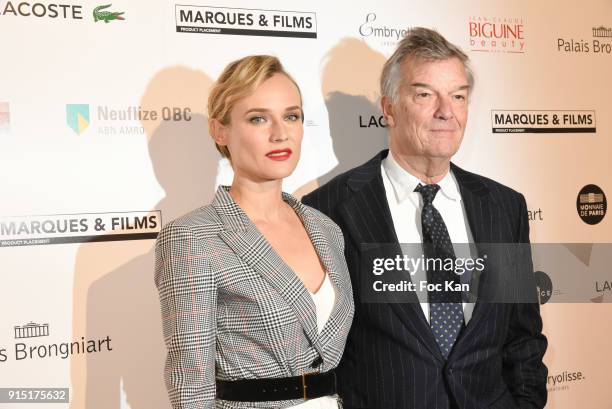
x=257, y=120
x=293, y=117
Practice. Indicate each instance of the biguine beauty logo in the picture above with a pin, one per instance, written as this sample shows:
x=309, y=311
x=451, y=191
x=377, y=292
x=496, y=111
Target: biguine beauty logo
x=238, y=21
x=496, y=34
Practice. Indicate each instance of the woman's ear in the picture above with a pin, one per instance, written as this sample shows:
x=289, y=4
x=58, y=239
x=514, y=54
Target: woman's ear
x=218, y=132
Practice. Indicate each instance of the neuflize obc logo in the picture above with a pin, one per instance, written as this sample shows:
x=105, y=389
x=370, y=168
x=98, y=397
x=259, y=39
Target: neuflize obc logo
x=77, y=117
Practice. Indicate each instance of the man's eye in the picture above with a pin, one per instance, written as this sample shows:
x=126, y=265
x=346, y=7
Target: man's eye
x=257, y=120
x=459, y=97
x=423, y=95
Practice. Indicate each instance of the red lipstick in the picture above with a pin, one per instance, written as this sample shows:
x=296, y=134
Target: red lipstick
x=279, y=154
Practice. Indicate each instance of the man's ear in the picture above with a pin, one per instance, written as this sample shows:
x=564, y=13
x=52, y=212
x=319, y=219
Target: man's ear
x=218, y=132
x=388, y=111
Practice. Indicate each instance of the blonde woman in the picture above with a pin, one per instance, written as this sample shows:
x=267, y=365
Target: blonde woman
x=255, y=293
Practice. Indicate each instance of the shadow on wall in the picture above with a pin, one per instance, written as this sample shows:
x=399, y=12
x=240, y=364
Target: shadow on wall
x=114, y=293
x=350, y=86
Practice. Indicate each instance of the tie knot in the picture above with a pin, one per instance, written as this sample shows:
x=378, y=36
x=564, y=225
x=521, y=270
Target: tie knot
x=428, y=192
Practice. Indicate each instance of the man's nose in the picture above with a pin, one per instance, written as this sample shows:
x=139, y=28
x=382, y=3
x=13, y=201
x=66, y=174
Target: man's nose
x=444, y=109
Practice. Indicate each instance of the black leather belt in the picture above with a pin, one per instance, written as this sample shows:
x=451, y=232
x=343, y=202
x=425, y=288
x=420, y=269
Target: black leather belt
x=307, y=386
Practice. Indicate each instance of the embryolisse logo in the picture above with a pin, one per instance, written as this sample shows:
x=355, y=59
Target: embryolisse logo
x=562, y=381
x=371, y=28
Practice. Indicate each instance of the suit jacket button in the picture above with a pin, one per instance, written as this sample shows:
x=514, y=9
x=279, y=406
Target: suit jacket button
x=318, y=361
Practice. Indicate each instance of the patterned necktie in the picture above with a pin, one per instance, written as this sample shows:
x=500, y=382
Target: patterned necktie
x=445, y=308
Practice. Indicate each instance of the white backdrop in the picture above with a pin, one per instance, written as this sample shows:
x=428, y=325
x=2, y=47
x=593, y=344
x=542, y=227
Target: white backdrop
x=72, y=148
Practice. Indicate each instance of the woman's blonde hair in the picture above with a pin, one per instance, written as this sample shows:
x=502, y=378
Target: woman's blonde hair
x=238, y=80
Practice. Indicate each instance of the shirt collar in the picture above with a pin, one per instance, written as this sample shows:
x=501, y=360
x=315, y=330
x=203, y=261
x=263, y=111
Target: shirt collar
x=404, y=183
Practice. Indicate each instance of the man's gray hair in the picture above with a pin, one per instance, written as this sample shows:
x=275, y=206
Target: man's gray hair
x=422, y=44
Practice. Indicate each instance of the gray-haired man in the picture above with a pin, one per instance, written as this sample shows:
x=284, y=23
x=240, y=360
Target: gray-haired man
x=489, y=354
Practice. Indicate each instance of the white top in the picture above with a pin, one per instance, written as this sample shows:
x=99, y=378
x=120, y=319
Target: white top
x=324, y=300
x=406, y=205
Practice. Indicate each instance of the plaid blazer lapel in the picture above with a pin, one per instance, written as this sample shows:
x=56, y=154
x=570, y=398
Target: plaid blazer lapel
x=332, y=258
x=245, y=240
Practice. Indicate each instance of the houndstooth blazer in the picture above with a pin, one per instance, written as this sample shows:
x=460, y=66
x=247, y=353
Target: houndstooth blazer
x=232, y=309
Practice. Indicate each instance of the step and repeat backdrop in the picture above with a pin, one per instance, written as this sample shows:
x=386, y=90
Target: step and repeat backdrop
x=104, y=139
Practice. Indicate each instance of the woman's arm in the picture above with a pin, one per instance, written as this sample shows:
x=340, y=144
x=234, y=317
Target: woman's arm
x=188, y=297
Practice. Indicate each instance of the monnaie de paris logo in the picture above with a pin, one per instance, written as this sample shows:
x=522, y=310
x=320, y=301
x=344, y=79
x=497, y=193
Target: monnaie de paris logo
x=591, y=204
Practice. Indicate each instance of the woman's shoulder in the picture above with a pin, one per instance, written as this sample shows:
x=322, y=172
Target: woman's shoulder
x=325, y=221
x=203, y=221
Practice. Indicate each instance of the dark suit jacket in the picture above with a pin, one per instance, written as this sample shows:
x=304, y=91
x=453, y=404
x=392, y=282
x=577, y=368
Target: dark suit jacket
x=391, y=358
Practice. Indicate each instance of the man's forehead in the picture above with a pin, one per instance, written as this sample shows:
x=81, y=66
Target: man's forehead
x=424, y=72
x=422, y=65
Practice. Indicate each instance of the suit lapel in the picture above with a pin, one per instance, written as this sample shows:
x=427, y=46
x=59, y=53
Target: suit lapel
x=482, y=219
x=368, y=218
x=333, y=262
x=245, y=240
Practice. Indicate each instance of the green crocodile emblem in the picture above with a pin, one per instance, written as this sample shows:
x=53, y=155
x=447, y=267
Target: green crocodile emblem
x=100, y=15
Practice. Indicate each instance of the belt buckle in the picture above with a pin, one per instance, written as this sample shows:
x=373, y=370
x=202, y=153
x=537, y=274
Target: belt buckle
x=304, y=386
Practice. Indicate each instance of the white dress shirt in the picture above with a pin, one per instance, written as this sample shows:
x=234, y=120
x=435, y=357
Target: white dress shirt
x=406, y=205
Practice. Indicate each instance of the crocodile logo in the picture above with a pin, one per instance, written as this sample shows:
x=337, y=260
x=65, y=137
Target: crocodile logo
x=99, y=14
